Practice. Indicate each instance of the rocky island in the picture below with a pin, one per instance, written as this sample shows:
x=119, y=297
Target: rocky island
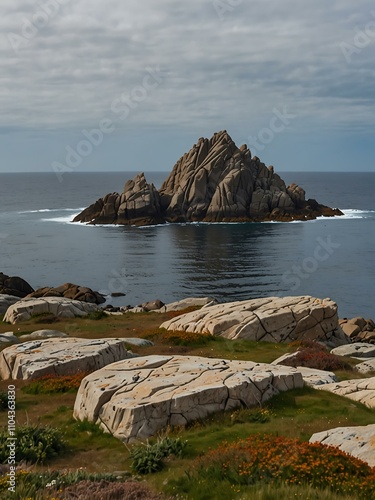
x=216, y=181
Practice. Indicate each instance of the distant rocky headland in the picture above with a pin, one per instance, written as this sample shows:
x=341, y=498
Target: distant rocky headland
x=214, y=182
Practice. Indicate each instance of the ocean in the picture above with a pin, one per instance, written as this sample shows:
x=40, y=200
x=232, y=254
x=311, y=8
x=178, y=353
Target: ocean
x=329, y=257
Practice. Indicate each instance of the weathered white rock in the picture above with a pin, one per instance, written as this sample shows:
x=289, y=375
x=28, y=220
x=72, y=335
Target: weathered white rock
x=180, y=305
x=43, y=334
x=36, y=358
x=58, y=306
x=355, y=350
x=313, y=377
x=361, y=390
x=357, y=441
x=367, y=366
x=136, y=398
x=6, y=301
x=271, y=319
x=8, y=338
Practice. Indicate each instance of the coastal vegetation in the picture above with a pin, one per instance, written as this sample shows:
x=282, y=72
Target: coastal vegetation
x=267, y=447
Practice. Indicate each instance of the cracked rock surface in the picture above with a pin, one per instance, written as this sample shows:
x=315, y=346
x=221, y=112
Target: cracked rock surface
x=58, y=356
x=58, y=306
x=357, y=441
x=361, y=390
x=136, y=398
x=271, y=319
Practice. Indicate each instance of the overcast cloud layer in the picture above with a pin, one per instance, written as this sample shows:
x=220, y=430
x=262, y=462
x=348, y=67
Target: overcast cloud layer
x=162, y=73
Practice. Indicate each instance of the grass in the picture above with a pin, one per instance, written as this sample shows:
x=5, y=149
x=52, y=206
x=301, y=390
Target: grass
x=293, y=414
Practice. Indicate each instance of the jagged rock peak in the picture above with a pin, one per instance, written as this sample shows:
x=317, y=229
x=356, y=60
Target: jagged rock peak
x=213, y=182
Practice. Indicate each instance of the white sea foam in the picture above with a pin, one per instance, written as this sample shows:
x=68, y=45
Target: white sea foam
x=42, y=210
x=349, y=213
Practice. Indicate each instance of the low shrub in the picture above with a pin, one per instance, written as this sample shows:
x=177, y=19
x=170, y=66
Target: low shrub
x=34, y=444
x=97, y=315
x=311, y=357
x=269, y=459
x=182, y=338
x=51, y=384
x=254, y=415
x=148, y=458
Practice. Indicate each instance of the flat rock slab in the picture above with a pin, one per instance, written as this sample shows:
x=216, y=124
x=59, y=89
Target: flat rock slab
x=361, y=390
x=43, y=334
x=357, y=441
x=37, y=358
x=355, y=350
x=6, y=301
x=60, y=307
x=136, y=398
x=271, y=319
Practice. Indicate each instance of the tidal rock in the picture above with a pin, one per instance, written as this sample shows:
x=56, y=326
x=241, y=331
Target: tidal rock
x=214, y=182
x=271, y=319
x=361, y=390
x=70, y=291
x=14, y=285
x=359, y=329
x=154, y=305
x=59, y=357
x=357, y=441
x=24, y=309
x=6, y=301
x=136, y=398
x=139, y=203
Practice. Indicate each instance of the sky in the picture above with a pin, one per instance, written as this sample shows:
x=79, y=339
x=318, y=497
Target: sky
x=108, y=85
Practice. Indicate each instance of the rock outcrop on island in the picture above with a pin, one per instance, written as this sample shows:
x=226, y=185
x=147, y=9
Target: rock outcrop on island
x=214, y=182
x=271, y=319
x=136, y=398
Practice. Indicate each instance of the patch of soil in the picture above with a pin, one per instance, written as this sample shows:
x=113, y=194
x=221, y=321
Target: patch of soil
x=106, y=490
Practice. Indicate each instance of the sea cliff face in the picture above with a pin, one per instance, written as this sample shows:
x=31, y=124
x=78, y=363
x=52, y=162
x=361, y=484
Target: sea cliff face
x=214, y=182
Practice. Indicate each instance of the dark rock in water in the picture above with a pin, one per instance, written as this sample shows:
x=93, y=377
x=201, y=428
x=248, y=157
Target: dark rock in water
x=70, y=291
x=118, y=294
x=214, y=182
x=14, y=285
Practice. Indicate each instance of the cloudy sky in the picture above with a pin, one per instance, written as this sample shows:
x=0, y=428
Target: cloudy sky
x=90, y=85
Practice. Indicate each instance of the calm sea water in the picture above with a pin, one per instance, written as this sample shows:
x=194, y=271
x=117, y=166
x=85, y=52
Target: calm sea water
x=324, y=258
